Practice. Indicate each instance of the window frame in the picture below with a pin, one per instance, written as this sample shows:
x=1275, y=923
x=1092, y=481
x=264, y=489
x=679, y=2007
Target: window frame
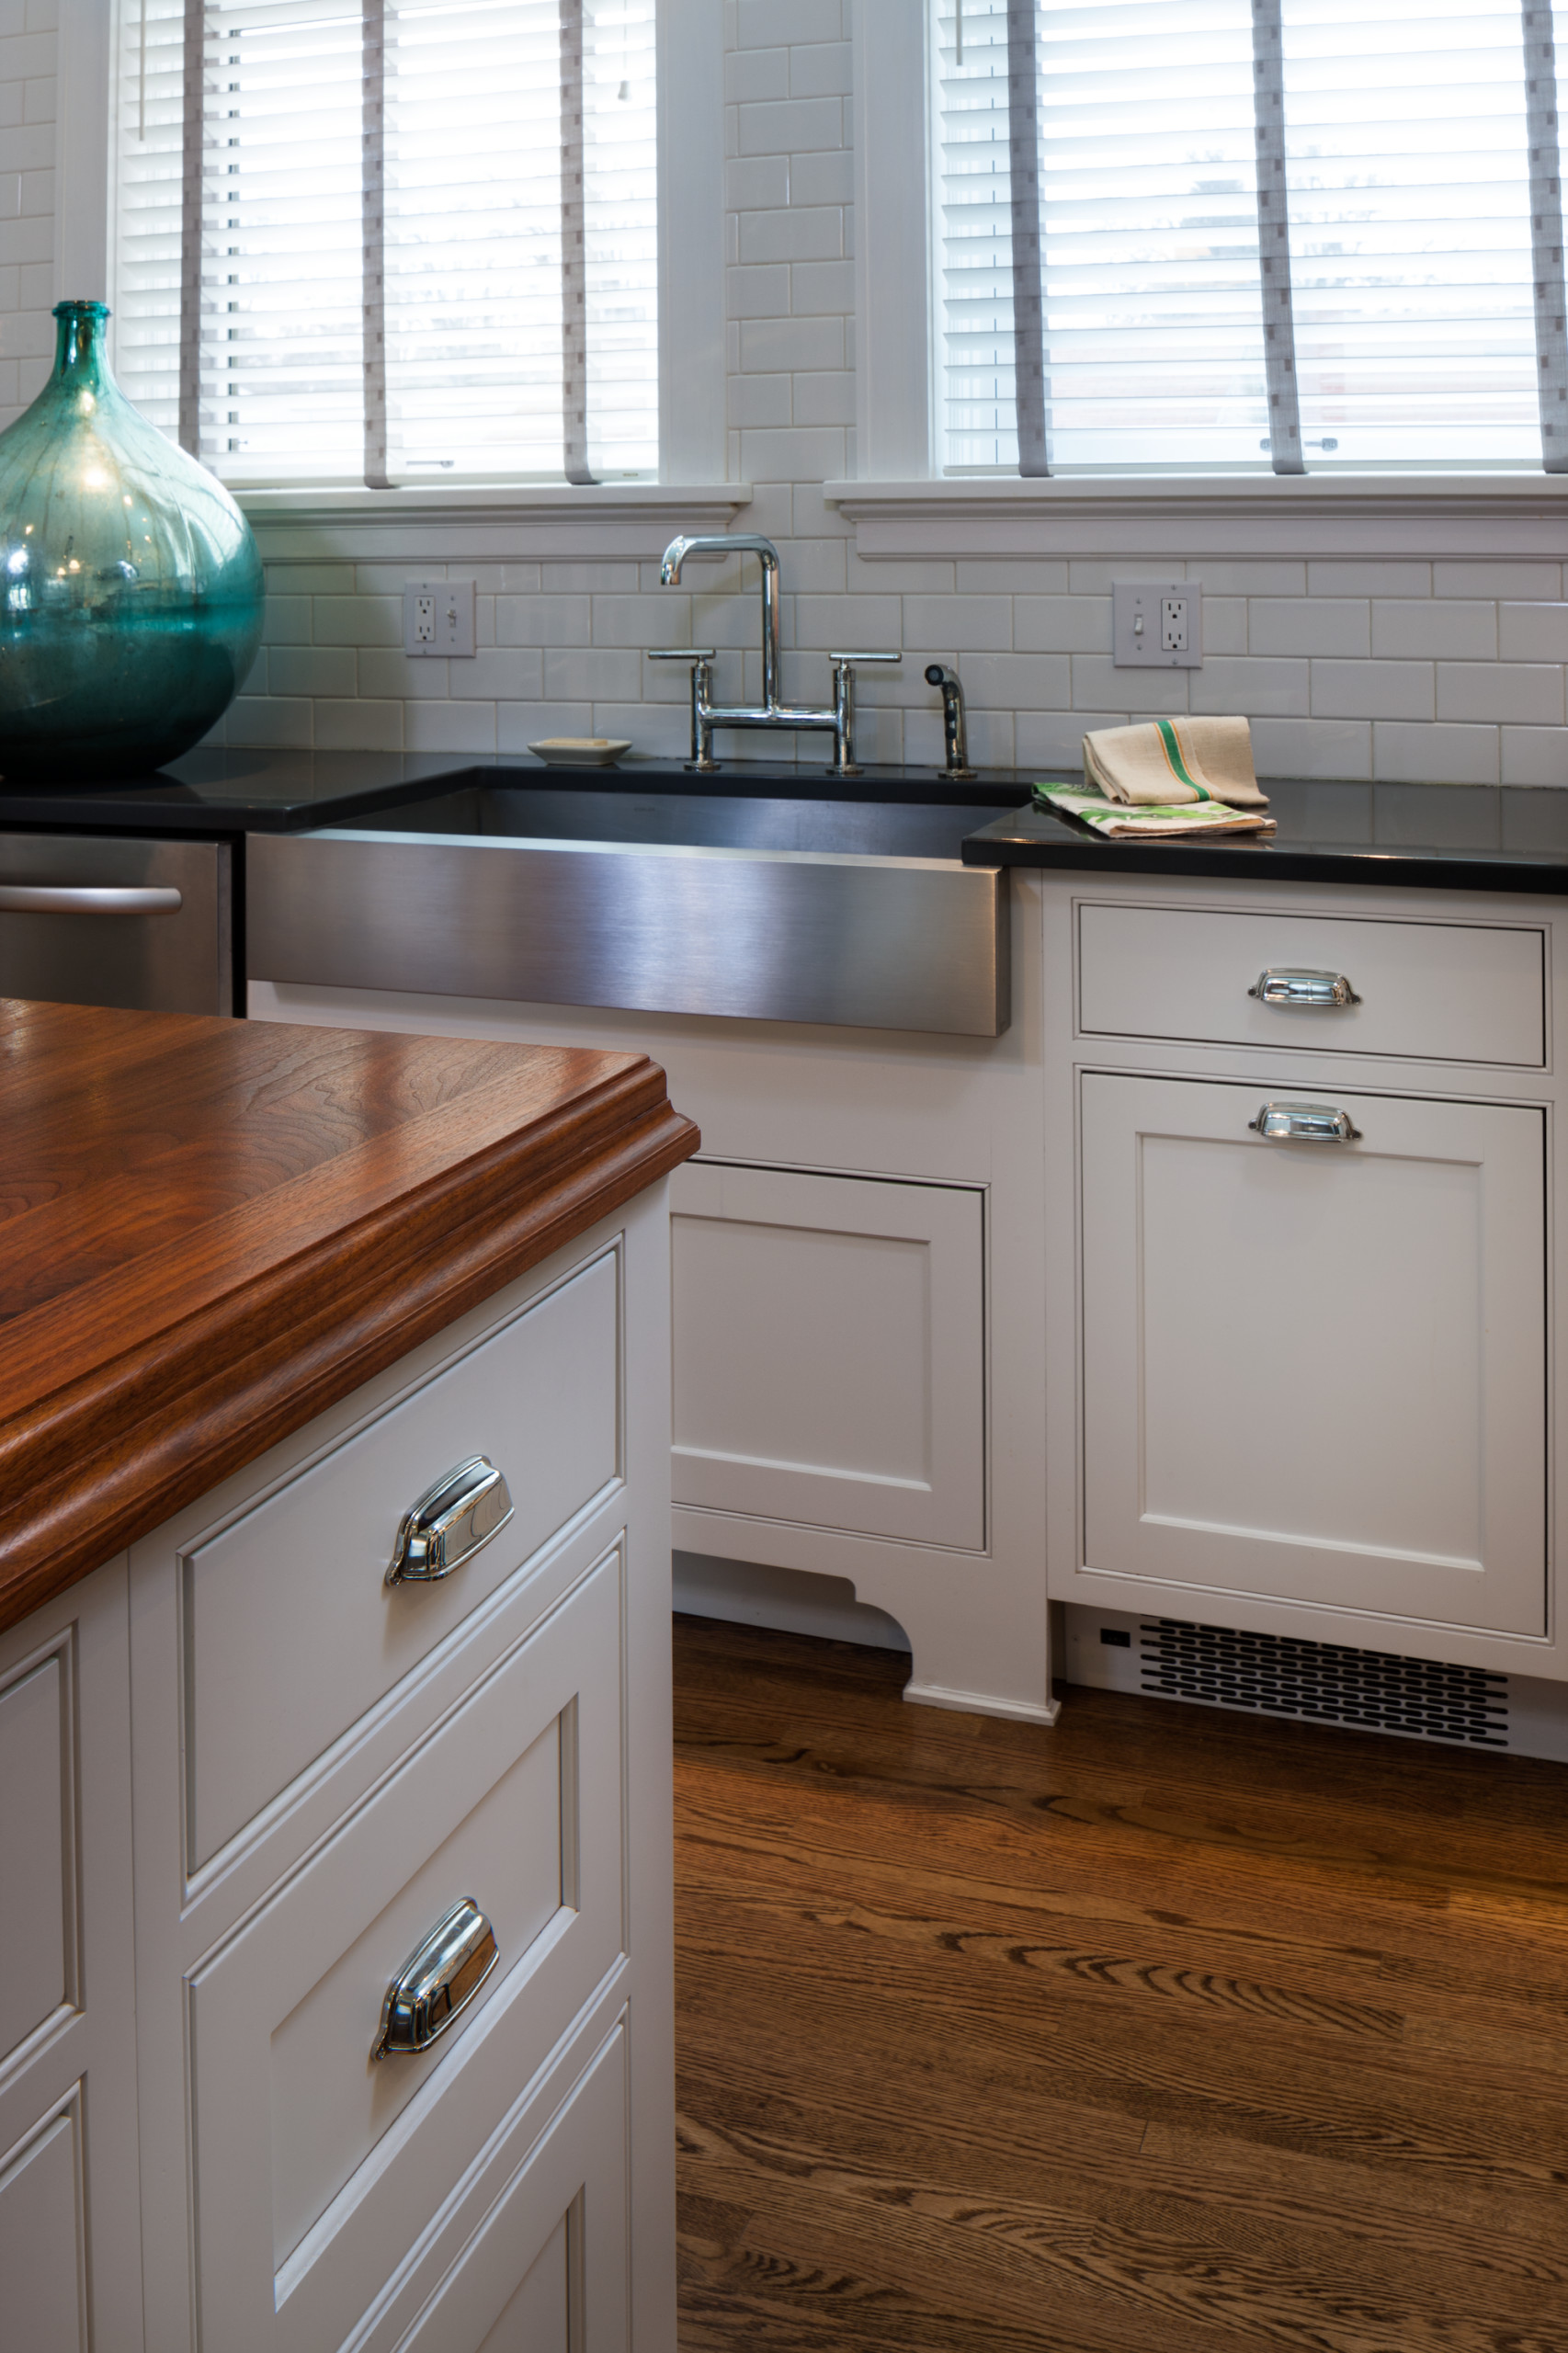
x=901, y=504
x=608, y=521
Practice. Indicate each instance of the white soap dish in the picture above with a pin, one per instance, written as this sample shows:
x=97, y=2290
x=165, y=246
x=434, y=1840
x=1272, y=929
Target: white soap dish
x=579, y=751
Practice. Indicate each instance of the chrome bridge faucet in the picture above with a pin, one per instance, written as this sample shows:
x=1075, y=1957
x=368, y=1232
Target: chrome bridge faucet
x=706, y=714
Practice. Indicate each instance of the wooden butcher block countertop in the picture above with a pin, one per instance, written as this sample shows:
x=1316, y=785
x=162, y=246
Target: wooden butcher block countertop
x=211, y=1230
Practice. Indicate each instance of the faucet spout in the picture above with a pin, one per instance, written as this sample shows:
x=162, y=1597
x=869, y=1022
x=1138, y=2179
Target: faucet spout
x=738, y=543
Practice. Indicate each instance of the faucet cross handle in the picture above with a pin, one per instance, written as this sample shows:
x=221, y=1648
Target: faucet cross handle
x=700, y=656
x=843, y=762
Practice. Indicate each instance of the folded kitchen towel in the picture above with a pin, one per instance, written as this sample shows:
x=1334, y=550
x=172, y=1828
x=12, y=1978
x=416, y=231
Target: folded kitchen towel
x=1169, y=762
x=1116, y=818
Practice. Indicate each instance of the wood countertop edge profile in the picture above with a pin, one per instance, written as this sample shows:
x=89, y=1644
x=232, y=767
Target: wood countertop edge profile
x=105, y=1458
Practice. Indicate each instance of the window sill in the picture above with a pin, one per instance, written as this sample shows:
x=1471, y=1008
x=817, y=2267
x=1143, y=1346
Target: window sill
x=1377, y=517
x=469, y=523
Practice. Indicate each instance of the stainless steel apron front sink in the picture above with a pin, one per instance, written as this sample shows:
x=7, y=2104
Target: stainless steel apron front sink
x=850, y=913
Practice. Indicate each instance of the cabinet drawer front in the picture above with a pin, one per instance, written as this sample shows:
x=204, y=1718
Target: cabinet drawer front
x=317, y=2166
x=292, y=1598
x=546, y=2271
x=1315, y=1371
x=43, y=2253
x=1429, y=992
x=829, y=1351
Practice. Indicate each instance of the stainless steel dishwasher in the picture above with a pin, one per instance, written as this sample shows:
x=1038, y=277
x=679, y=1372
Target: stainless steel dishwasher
x=91, y=919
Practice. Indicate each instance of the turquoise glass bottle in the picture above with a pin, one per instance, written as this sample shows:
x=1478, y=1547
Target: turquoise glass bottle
x=130, y=588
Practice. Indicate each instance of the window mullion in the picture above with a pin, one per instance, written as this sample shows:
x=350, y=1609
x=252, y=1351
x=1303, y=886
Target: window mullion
x=1274, y=238
x=1028, y=303
x=573, y=251
x=193, y=162
x=373, y=222
x=1546, y=234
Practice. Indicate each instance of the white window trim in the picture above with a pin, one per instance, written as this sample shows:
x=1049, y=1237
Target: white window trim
x=902, y=508
x=615, y=521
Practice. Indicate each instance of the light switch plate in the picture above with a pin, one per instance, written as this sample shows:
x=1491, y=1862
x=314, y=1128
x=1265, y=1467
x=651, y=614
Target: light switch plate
x=438, y=617
x=1157, y=624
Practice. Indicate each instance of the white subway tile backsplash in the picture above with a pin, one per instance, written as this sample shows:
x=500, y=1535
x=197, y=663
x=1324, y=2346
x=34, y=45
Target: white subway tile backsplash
x=542, y=621
x=359, y=726
x=519, y=724
x=1535, y=755
x=1533, y=633
x=1396, y=579
x=1372, y=690
x=356, y=620
x=825, y=399
x=596, y=674
x=1332, y=625
x=1462, y=629
x=1097, y=684
x=818, y=69
x=1406, y=755
x=449, y=727
x=498, y=674
x=798, y=344
x=1528, y=693
x=1011, y=576
x=850, y=623
x=314, y=670
x=386, y=671
x=1052, y=741
x=1015, y=681
x=1529, y=582
x=1256, y=686
x=1238, y=579
x=1064, y=624
x=754, y=76
x=958, y=624
x=790, y=126
x=1315, y=747
x=799, y=233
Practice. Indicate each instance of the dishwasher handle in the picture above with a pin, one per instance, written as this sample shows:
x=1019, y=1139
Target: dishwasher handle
x=89, y=899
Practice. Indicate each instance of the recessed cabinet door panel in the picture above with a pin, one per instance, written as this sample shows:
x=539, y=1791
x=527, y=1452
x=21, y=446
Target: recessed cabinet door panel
x=829, y=1352
x=34, y=1845
x=318, y=2166
x=561, y=2223
x=1316, y=1370
x=42, y=2244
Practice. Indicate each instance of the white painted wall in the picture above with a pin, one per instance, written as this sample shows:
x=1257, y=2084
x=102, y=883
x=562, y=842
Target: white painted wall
x=1443, y=669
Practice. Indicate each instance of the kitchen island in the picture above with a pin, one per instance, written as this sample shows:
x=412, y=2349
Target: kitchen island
x=333, y=1589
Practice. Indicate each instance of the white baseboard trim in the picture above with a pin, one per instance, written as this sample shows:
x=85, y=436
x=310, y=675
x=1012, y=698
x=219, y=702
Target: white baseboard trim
x=982, y=1704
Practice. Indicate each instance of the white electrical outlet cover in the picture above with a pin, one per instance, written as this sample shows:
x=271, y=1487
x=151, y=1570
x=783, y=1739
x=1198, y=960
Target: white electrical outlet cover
x=438, y=617
x=1157, y=624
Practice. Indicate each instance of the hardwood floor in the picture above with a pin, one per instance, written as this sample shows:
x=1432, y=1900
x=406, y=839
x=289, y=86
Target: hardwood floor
x=1166, y=2031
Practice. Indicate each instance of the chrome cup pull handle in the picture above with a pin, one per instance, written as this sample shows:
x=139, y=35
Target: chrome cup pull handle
x=463, y=1510
x=437, y=1981
x=1304, y=1123
x=1300, y=986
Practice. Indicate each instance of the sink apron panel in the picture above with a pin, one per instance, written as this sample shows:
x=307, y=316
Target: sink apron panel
x=888, y=943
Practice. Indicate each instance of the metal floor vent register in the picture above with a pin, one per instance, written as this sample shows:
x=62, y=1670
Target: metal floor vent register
x=1327, y=1682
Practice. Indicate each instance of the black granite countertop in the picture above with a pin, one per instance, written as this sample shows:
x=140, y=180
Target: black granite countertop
x=1467, y=837
x=289, y=792
x=1433, y=836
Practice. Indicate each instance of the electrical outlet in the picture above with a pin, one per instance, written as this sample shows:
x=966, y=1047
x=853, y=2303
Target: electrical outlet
x=1157, y=624
x=438, y=617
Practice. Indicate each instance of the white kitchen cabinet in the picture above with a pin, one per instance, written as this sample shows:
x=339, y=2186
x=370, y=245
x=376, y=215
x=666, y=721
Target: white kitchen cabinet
x=70, y=2269
x=1316, y=1370
x=859, y=1348
x=198, y=2142
x=501, y=1736
x=1307, y=1388
x=828, y=1343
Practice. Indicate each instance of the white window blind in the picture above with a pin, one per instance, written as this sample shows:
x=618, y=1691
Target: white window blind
x=391, y=240
x=1247, y=234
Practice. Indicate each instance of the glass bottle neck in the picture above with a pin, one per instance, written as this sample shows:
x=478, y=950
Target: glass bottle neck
x=78, y=347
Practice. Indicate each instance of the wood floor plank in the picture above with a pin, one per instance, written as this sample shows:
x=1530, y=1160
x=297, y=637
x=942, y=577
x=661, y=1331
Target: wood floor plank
x=1162, y=2032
